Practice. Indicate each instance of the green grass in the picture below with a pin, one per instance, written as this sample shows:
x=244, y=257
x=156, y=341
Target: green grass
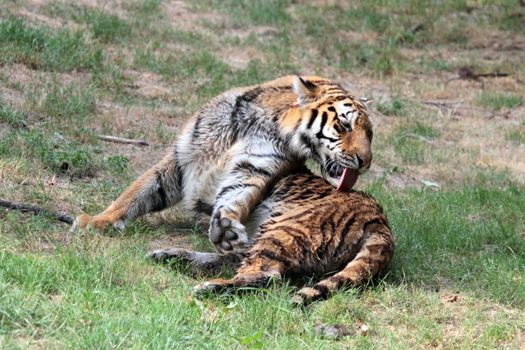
x=41, y=48
x=498, y=101
x=53, y=150
x=66, y=103
x=412, y=142
x=517, y=134
x=11, y=116
x=271, y=12
x=92, y=69
x=394, y=107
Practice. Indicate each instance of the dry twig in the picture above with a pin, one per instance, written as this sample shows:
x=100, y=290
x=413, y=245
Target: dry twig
x=68, y=219
x=122, y=140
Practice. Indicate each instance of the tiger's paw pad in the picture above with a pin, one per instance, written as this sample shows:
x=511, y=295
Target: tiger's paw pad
x=305, y=296
x=227, y=235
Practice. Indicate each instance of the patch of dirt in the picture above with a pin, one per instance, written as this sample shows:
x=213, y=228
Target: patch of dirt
x=171, y=241
x=182, y=17
x=261, y=33
x=150, y=85
x=239, y=58
x=38, y=18
x=485, y=38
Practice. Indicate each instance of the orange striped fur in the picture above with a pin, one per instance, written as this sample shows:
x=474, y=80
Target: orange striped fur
x=309, y=228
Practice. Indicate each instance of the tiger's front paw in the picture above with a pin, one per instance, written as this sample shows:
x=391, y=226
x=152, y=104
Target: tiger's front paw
x=98, y=222
x=226, y=234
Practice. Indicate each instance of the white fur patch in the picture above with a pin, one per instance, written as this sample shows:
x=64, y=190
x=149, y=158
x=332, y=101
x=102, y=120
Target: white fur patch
x=348, y=112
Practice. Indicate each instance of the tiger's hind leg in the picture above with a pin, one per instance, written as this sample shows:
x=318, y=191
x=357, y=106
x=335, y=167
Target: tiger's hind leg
x=256, y=272
x=156, y=189
x=198, y=262
x=374, y=256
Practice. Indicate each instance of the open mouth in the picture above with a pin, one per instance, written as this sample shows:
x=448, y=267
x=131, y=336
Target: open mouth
x=347, y=176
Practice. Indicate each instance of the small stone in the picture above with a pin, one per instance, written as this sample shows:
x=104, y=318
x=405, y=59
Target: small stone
x=336, y=331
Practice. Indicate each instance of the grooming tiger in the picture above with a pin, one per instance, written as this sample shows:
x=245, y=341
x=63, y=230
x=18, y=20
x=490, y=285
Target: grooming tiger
x=238, y=145
x=305, y=227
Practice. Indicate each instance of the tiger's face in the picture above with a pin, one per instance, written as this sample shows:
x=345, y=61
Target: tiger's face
x=336, y=127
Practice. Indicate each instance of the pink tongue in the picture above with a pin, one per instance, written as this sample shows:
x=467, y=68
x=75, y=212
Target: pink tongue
x=347, y=180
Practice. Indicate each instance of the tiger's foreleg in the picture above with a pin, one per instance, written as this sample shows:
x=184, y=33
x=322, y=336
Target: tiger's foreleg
x=256, y=272
x=373, y=257
x=238, y=195
x=156, y=189
x=199, y=262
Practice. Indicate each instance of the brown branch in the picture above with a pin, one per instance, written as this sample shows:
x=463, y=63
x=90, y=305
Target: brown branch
x=467, y=73
x=68, y=219
x=116, y=139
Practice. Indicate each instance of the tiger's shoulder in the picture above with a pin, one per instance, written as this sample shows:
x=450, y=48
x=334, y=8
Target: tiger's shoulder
x=306, y=189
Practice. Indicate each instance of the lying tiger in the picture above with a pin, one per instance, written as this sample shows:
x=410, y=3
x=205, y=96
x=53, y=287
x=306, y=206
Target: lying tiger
x=239, y=145
x=304, y=227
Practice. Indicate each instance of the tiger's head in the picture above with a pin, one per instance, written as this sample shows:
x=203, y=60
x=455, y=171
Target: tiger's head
x=334, y=127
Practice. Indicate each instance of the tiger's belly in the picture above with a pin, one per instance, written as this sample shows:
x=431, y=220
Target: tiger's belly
x=200, y=186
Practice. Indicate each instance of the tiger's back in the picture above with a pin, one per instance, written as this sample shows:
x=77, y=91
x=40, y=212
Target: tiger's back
x=316, y=229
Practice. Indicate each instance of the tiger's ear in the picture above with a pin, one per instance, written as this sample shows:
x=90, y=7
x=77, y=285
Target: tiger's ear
x=304, y=89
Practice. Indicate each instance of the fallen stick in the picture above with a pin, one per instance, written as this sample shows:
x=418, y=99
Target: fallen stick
x=122, y=140
x=68, y=219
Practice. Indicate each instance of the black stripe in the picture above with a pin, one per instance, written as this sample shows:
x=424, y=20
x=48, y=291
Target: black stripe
x=179, y=173
x=297, y=235
x=331, y=109
x=297, y=216
x=343, y=234
x=313, y=115
x=196, y=132
x=320, y=135
x=227, y=189
x=322, y=289
x=161, y=194
x=273, y=256
x=323, y=121
x=201, y=207
x=307, y=143
x=308, y=84
x=375, y=221
x=288, y=229
x=236, y=114
x=266, y=155
x=283, y=252
x=245, y=166
x=326, y=232
x=339, y=281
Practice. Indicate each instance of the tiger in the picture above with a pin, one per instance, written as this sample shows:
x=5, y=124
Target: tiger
x=305, y=227
x=238, y=145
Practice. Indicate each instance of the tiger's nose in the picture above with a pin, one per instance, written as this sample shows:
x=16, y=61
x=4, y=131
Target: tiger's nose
x=363, y=162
